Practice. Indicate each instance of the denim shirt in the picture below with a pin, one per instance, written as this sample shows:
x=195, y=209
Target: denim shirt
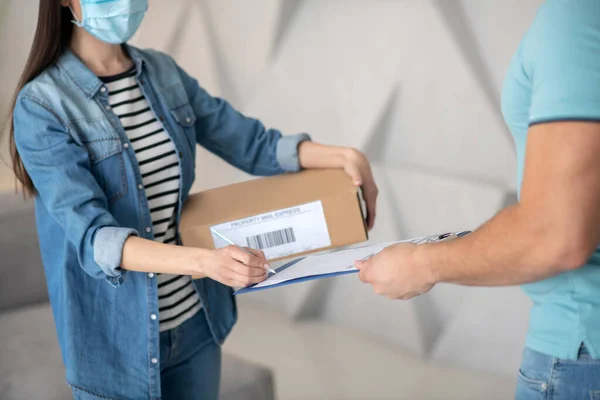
x=90, y=200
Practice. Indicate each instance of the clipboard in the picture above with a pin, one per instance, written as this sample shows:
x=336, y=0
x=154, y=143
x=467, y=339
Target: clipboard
x=333, y=264
x=307, y=278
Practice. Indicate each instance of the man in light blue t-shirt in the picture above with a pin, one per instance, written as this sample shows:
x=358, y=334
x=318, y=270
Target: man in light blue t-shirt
x=548, y=241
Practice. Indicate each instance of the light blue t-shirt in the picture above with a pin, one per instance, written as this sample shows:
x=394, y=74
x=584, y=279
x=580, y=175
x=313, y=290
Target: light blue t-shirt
x=555, y=76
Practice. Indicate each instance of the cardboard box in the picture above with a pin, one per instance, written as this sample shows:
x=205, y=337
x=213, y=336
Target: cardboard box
x=285, y=216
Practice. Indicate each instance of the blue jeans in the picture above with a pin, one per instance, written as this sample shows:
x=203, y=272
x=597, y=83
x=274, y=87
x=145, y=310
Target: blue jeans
x=190, y=361
x=543, y=377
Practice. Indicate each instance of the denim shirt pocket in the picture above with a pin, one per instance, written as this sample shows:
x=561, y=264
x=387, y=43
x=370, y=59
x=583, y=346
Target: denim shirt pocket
x=185, y=118
x=106, y=157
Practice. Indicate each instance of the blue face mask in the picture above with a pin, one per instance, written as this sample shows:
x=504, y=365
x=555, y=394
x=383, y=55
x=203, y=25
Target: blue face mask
x=112, y=21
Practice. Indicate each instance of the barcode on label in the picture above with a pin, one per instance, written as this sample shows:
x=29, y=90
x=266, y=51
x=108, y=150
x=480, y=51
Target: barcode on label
x=271, y=239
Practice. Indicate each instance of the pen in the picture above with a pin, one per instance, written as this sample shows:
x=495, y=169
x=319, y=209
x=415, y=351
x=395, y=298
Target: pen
x=453, y=235
x=225, y=238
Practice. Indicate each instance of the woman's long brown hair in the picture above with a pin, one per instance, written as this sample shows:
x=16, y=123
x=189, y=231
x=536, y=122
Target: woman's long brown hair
x=52, y=36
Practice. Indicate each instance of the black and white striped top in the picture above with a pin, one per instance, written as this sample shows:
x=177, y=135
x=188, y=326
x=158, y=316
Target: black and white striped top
x=160, y=169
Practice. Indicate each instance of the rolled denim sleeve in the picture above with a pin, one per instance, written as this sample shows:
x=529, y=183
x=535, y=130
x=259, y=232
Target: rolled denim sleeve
x=108, y=250
x=60, y=171
x=287, y=151
x=241, y=141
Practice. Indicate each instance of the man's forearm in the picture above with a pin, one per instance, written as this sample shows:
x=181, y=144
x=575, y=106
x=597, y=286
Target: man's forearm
x=512, y=248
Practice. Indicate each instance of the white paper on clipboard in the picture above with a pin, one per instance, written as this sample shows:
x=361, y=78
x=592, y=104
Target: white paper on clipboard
x=339, y=261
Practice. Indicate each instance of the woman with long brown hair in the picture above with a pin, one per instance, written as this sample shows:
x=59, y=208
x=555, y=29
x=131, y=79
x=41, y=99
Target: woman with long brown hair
x=104, y=137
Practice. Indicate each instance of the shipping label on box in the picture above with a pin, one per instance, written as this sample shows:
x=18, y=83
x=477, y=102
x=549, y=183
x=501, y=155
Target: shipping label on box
x=279, y=233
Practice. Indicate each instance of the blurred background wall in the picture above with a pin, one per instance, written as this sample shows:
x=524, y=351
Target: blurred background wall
x=414, y=83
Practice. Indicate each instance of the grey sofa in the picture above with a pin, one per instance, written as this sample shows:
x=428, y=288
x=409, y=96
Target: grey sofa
x=30, y=363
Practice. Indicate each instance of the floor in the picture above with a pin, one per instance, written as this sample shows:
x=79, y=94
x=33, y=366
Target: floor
x=313, y=360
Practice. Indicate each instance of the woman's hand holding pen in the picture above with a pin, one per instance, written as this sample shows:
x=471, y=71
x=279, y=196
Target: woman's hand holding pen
x=234, y=267
x=231, y=265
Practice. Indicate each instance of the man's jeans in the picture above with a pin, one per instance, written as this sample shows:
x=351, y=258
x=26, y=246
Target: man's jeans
x=543, y=377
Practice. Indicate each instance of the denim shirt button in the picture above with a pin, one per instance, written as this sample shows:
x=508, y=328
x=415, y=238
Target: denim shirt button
x=148, y=229
x=103, y=89
x=154, y=361
x=150, y=275
x=140, y=186
x=153, y=317
x=108, y=107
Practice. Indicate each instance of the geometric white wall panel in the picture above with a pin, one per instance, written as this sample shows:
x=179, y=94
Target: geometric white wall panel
x=296, y=110
x=171, y=16
x=193, y=48
x=444, y=119
x=213, y=172
x=488, y=331
x=489, y=21
x=3, y=8
x=245, y=32
x=287, y=11
x=328, y=76
x=430, y=204
x=19, y=21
